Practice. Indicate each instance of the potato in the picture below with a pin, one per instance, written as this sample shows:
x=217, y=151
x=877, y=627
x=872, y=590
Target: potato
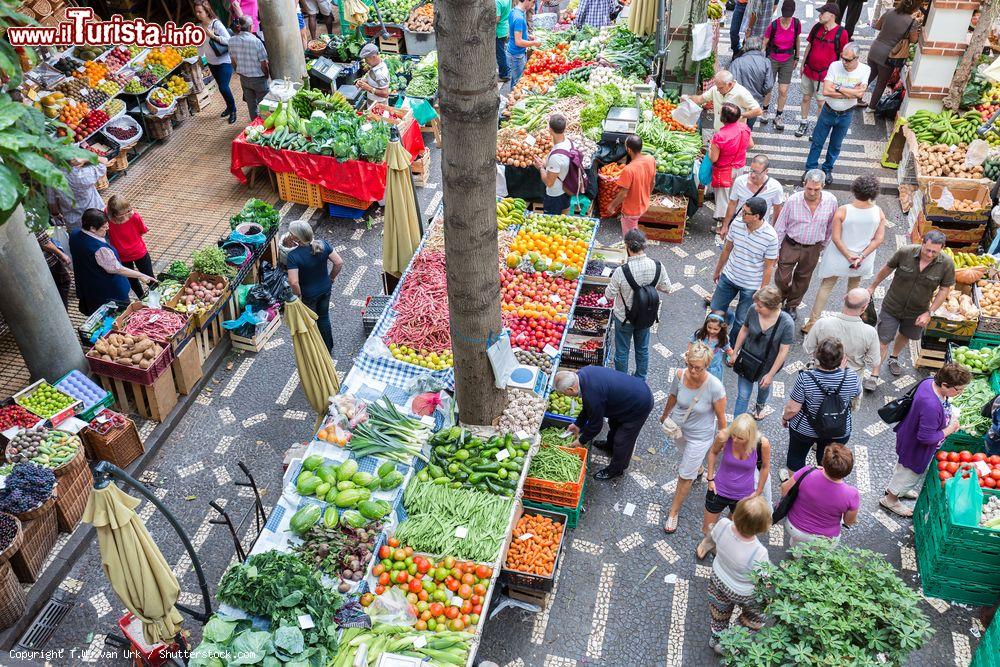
x=148, y=354
x=145, y=363
x=105, y=357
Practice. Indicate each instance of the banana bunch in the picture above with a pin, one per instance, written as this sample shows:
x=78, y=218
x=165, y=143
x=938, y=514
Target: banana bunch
x=965, y=260
x=510, y=212
x=945, y=127
x=715, y=11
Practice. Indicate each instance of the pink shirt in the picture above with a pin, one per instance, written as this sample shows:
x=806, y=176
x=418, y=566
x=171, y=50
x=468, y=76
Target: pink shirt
x=249, y=7
x=781, y=38
x=733, y=141
x=821, y=504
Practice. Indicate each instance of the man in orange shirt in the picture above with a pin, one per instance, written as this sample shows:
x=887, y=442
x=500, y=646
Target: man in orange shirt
x=635, y=185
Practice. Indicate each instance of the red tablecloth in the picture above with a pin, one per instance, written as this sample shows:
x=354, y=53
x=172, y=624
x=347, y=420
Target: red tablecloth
x=355, y=178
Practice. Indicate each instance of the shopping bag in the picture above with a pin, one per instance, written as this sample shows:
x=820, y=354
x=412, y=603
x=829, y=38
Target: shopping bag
x=705, y=172
x=965, y=497
x=701, y=42
x=687, y=113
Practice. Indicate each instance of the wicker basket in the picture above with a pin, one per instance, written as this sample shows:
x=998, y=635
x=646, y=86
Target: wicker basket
x=68, y=470
x=160, y=127
x=40, y=535
x=13, y=600
x=194, y=103
x=121, y=446
x=32, y=514
x=194, y=75
x=13, y=547
x=183, y=111
x=72, y=499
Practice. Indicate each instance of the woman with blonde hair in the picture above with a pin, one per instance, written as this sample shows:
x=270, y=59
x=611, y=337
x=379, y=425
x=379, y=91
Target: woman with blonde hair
x=125, y=235
x=312, y=266
x=700, y=400
x=760, y=349
x=744, y=458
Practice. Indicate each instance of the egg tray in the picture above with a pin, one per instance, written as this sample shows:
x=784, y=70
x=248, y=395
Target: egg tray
x=93, y=396
x=58, y=417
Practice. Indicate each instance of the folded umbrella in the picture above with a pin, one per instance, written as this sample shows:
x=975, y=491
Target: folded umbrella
x=316, y=373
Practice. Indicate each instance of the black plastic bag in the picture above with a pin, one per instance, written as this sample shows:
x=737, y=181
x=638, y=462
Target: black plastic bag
x=272, y=288
x=889, y=105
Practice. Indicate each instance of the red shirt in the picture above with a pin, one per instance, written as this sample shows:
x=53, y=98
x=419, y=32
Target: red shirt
x=126, y=238
x=733, y=141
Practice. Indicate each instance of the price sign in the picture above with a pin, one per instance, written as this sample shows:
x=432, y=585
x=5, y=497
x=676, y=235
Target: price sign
x=526, y=536
x=420, y=641
x=461, y=532
x=503, y=454
x=306, y=622
x=606, y=271
x=530, y=140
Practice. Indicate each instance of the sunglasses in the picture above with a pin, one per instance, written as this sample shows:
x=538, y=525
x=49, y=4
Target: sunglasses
x=849, y=60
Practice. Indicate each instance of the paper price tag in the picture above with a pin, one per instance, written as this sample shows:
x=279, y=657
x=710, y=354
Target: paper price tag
x=549, y=350
x=526, y=536
x=306, y=622
x=419, y=641
x=606, y=272
x=461, y=532
x=982, y=468
x=554, y=298
x=456, y=602
x=521, y=435
x=503, y=454
x=530, y=140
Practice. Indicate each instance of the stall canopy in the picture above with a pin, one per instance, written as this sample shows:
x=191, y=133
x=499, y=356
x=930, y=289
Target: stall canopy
x=642, y=19
x=401, y=235
x=316, y=373
x=132, y=562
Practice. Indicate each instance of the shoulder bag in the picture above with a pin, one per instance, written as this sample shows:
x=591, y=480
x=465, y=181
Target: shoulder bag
x=896, y=410
x=901, y=52
x=786, y=502
x=672, y=429
x=218, y=48
x=750, y=366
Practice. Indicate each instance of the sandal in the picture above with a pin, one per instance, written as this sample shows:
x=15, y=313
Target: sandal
x=704, y=547
x=896, y=508
x=670, y=527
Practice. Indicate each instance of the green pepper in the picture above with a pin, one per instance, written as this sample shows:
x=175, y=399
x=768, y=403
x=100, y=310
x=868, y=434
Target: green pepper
x=423, y=476
x=453, y=468
x=490, y=453
x=487, y=467
x=477, y=477
x=435, y=471
x=461, y=454
x=502, y=473
x=511, y=465
x=441, y=480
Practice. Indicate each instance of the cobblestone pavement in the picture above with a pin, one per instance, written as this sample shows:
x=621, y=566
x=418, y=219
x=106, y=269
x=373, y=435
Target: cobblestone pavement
x=626, y=593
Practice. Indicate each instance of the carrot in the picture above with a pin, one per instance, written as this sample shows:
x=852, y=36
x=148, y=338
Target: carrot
x=535, y=555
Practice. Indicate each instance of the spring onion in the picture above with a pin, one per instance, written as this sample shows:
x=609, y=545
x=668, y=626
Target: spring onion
x=389, y=434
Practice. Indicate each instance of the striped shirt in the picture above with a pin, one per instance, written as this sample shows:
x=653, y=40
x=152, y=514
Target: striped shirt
x=804, y=226
x=745, y=266
x=247, y=52
x=807, y=392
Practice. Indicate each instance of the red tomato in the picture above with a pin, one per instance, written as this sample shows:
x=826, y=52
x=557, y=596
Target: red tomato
x=379, y=589
x=944, y=474
x=383, y=579
x=423, y=565
x=436, y=608
x=467, y=606
x=994, y=459
x=979, y=456
x=384, y=552
x=451, y=612
x=964, y=456
x=378, y=569
x=990, y=482
x=415, y=586
x=942, y=465
x=423, y=595
x=952, y=467
x=456, y=625
x=477, y=609
x=995, y=474
x=953, y=456
x=942, y=455
x=479, y=589
x=468, y=578
x=453, y=585
x=465, y=591
x=484, y=571
x=393, y=542
x=476, y=599
x=421, y=625
x=402, y=576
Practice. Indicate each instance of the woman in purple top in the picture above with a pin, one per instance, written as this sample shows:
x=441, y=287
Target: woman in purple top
x=824, y=501
x=744, y=465
x=919, y=435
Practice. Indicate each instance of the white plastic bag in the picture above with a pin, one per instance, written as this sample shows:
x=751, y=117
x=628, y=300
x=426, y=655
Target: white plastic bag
x=977, y=153
x=391, y=608
x=946, y=200
x=686, y=113
x=701, y=42
x=501, y=359
x=501, y=181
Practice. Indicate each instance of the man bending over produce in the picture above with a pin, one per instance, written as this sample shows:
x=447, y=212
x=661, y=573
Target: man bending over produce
x=624, y=400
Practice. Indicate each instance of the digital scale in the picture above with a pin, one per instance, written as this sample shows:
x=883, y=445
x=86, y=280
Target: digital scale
x=527, y=377
x=620, y=123
x=326, y=71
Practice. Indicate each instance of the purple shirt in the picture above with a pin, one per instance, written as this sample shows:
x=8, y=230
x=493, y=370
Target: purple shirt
x=821, y=504
x=734, y=478
x=920, y=433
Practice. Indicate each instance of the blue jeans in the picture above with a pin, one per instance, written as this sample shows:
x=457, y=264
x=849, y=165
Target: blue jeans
x=321, y=306
x=223, y=74
x=516, y=65
x=502, y=67
x=744, y=388
x=725, y=291
x=625, y=333
x=836, y=124
x=736, y=22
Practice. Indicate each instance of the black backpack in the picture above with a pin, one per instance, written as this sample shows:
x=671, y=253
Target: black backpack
x=645, y=310
x=831, y=421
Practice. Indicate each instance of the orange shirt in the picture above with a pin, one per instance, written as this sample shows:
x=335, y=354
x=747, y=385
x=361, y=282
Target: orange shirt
x=638, y=178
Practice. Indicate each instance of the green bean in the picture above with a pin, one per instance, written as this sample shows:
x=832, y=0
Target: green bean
x=555, y=464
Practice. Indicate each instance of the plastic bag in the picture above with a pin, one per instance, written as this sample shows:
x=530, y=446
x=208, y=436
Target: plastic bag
x=701, y=43
x=272, y=288
x=501, y=359
x=946, y=200
x=888, y=106
x=976, y=153
x=704, y=172
x=965, y=497
x=687, y=113
x=392, y=608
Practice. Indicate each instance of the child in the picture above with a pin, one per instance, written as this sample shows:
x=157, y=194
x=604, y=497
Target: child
x=125, y=235
x=714, y=334
x=737, y=552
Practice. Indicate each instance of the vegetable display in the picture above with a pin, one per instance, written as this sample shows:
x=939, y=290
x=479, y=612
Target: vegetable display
x=389, y=434
x=510, y=212
x=970, y=403
x=555, y=464
x=436, y=512
x=26, y=487
x=979, y=361
x=140, y=351
x=442, y=649
x=535, y=545
x=155, y=323
x=339, y=551
x=951, y=463
x=991, y=513
x=344, y=487
x=421, y=332
x=946, y=160
x=470, y=462
x=964, y=260
x=523, y=412
x=44, y=447
x=200, y=294
x=424, y=82
x=945, y=127
x=337, y=132
x=560, y=404
x=227, y=642
x=211, y=260
x=421, y=19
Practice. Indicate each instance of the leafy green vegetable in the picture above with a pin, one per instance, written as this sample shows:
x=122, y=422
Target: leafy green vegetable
x=425, y=77
x=211, y=260
x=256, y=211
x=289, y=639
x=249, y=648
x=178, y=270
x=230, y=642
x=218, y=630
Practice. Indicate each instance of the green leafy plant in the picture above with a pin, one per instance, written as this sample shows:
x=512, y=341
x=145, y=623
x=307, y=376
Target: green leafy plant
x=211, y=260
x=30, y=159
x=830, y=605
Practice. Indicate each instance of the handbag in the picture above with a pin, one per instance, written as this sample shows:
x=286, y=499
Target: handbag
x=615, y=11
x=901, y=52
x=786, y=502
x=218, y=48
x=672, y=429
x=870, y=316
x=748, y=365
x=896, y=410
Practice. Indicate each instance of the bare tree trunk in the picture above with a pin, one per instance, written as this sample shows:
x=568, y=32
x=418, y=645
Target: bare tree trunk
x=466, y=30
x=988, y=12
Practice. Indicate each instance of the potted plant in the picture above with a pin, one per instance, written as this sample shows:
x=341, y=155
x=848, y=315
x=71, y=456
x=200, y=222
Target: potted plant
x=830, y=605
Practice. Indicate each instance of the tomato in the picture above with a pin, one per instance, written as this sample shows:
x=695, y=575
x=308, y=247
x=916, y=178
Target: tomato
x=379, y=589
x=944, y=474
x=476, y=599
x=994, y=459
x=393, y=542
x=484, y=571
x=456, y=625
x=367, y=599
x=421, y=624
x=384, y=551
x=453, y=585
x=466, y=619
x=423, y=565
x=474, y=617
x=384, y=579
x=953, y=456
x=952, y=467
x=399, y=555
x=942, y=465
x=468, y=578
x=401, y=577
x=378, y=569
x=440, y=574
x=448, y=562
x=415, y=586
x=465, y=591
x=479, y=590
x=990, y=482
x=942, y=455
x=477, y=609
x=423, y=595
x=432, y=625
x=964, y=456
x=467, y=606
x=436, y=608
x=995, y=474
x=979, y=456
x=451, y=612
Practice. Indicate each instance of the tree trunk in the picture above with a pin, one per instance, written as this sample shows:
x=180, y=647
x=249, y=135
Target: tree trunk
x=988, y=12
x=467, y=71
x=31, y=306
x=285, y=54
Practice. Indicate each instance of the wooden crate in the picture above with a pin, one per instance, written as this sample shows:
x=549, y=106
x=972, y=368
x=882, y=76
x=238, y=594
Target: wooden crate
x=391, y=45
x=257, y=342
x=271, y=254
x=527, y=595
x=186, y=367
x=208, y=338
x=669, y=233
x=929, y=355
x=152, y=402
x=421, y=168
x=434, y=127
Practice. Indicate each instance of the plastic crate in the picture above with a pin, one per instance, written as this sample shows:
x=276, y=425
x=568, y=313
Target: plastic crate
x=960, y=440
x=56, y=418
x=419, y=43
x=90, y=408
x=562, y=494
x=536, y=581
x=572, y=514
x=336, y=211
x=988, y=651
x=375, y=305
x=340, y=199
x=578, y=357
x=293, y=189
x=130, y=373
x=603, y=315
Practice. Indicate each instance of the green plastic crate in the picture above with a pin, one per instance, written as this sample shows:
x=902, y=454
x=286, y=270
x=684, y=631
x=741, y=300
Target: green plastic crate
x=976, y=595
x=988, y=651
x=960, y=440
x=572, y=515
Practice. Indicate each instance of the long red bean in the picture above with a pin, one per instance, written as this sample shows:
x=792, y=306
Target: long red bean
x=155, y=323
x=422, y=307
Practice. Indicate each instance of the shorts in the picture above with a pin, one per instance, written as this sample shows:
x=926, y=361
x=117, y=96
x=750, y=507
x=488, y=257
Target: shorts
x=314, y=7
x=905, y=480
x=692, y=457
x=555, y=205
x=811, y=88
x=714, y=503
x=888, y=325
x=783, y=70
x=797, y=537
x=721, y=200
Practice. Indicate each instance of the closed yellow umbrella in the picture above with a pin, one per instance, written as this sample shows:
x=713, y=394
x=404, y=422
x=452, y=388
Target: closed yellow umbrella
x=401, y=233
x=132, y=562
x=642, y=17
x=356, y=12
x=319, y=380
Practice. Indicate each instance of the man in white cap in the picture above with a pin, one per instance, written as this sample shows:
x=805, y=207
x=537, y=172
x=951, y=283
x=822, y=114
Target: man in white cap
x=376, y=81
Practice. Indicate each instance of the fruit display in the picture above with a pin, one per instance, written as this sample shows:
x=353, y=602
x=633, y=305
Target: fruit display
x=529, y=358
x=117, y=58
x=663, y=109
x=199, y=295
x=154, y=72
x=554, y=249
x=46, y=401
x=166, y=57
x=87, y=53
x=421, y=19
x=446, y=593
x=535, y=294
x=92, y=72
x=568, y=406
x=591, y=297
x=958, y=307
x=139, y=351
x=510, y=212
x=946, y=160
x=135, y=49
x=534, y=333
x=517, y=148
x=161, y=98
x=12, y=416
x=91, y=123
x=52, y=104
x=26, y=487
x=965, y=260
x=535, y=545
x=490, y=465
x=569, y=226
x=714, y=11
x=134, y=86
x=123, y=133
x=435, y=361
x=345, y=486
x=978, y=361
x=49, y=448
x=946, y=127
x=82, y=388
x=108, y=87
x=114, y=108
x=178, y=86
x=186, y=52
x=950, y=463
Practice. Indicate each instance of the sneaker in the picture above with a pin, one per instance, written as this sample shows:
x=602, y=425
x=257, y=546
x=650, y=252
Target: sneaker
x=802, y=129
x=894, y=367
x=829, y=178
x=764, y=120
x=870, y=383
x=779, y=123
x=713, y=642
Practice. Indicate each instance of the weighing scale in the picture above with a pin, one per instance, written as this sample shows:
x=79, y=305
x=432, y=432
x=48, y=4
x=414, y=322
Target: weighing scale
x=620, y=123
x=527, y=377
x=326, y=71
x=351, y=93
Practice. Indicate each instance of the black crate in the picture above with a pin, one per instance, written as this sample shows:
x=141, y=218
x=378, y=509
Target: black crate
x=603, y=315
x=374, y=307
x=574, y=357
x=534, y=581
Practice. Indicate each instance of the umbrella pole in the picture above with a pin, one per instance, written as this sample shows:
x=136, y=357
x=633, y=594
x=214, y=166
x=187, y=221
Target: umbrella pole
x=103, y=474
